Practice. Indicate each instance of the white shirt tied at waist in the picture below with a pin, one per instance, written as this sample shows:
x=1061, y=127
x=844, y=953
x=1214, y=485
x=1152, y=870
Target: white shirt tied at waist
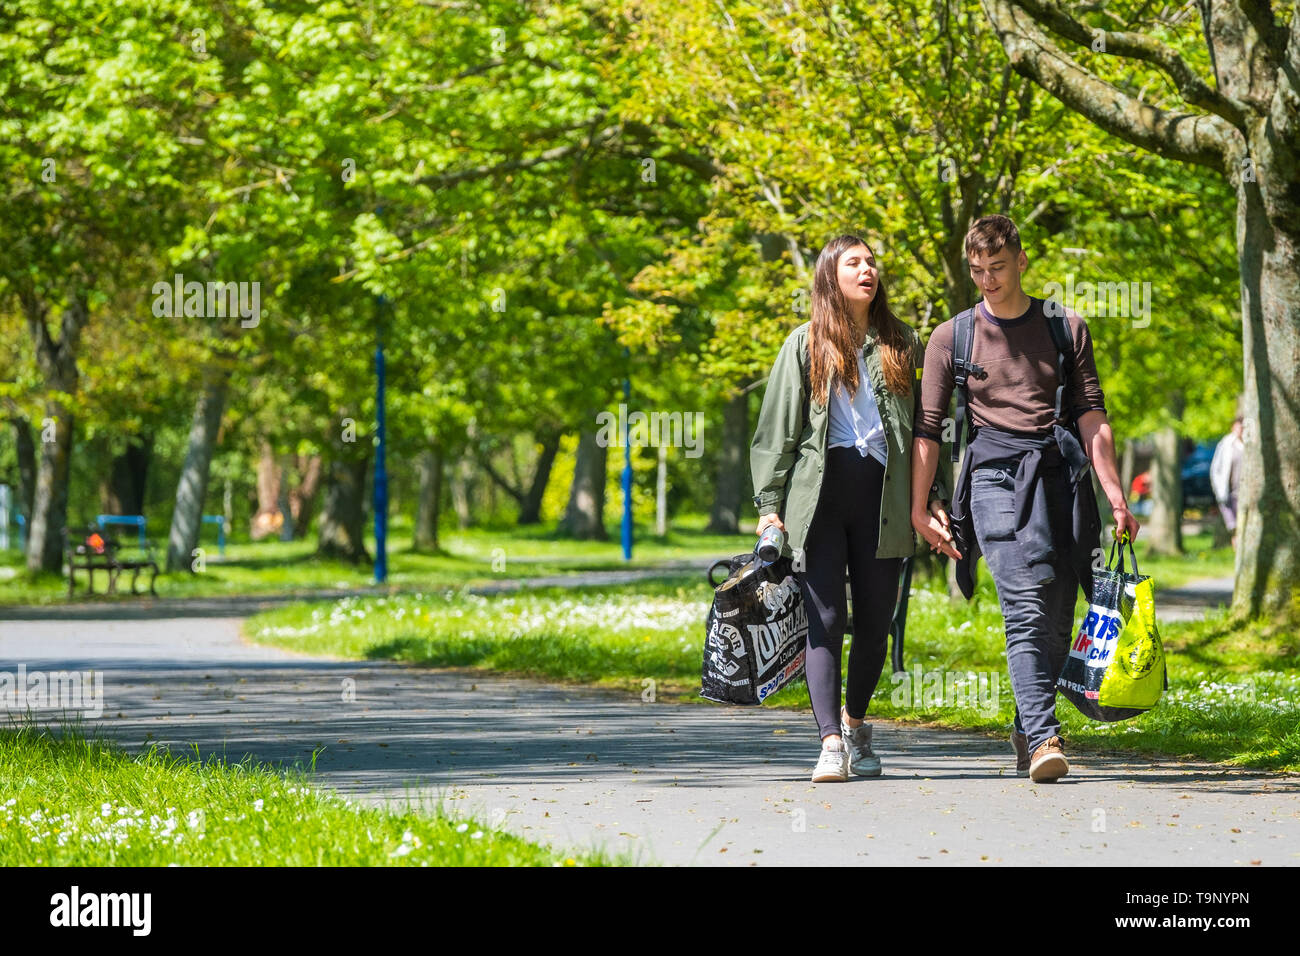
x=857, y=423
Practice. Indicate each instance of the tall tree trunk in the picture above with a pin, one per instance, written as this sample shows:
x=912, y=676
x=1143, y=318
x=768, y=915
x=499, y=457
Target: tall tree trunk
x=123, y=490
x=49, y=516
x=341, y=532
x=1222, y=537
x=529, y=501
x=530, y=509
x=661, y=492
x=728, y=484
x=956, y=202
x=268, y=518
x=302, y=499
x=26, y=449
x=1268, y=529
x=57, y=362
x=584, y=517
x=1164, y=531
x=429, y=467
x=228, y=504
x=192, y=489
x=286, y=468
x=460, y=491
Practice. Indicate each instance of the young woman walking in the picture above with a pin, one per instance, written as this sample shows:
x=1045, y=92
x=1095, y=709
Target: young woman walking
x=831, y=463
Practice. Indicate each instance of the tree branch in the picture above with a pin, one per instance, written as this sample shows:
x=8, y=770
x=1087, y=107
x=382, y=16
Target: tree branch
x=702, y=166
x=481, y=456
x=1139, y=46
x=1268, y=31
x=1283, y=109
x=1204, y=139
x=455, y=176
x=633, y=130
x=514, y=59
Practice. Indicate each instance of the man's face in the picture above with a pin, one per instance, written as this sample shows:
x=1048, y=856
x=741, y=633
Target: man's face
x=997, y=274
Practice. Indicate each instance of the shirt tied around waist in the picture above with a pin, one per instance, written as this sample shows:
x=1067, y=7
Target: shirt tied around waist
x=1035, y=457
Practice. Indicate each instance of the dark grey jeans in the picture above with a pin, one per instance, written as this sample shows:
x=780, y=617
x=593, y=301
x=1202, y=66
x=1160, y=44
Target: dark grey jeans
x=1039, y=618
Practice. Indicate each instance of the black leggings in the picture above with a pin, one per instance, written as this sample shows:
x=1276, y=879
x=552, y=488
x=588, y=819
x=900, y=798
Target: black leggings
x=844, y=531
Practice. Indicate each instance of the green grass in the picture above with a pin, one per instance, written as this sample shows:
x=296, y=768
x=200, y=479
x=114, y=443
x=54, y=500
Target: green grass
x=1200, y=561
x=69, y=800
x=608, y=635
x=1233, y=690
x=469, y=557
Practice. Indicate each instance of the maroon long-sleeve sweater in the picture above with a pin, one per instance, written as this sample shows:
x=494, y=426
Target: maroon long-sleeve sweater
x=1019, y=358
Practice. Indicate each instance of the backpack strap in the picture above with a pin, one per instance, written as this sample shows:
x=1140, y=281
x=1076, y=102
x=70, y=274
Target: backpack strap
x=1060, y=330
x=963, y=342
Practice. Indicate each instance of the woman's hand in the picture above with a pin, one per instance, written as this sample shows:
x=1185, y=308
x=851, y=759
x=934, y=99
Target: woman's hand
x=932, y=525
x=768, y=519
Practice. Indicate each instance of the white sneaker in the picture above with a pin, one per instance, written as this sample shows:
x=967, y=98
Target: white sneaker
x=862, y=760
x=833, y=765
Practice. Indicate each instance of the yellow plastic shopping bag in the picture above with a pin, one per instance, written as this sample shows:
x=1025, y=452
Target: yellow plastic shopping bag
x=1116, y=666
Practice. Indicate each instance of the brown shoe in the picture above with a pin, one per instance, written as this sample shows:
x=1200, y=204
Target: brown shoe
x=1020, y=744
x=1049, y=761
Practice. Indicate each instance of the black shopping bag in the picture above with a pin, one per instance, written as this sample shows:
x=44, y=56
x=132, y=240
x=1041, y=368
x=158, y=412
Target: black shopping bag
x=756, y=631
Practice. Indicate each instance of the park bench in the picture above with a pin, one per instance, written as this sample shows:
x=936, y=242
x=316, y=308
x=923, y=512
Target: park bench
x=93, y=550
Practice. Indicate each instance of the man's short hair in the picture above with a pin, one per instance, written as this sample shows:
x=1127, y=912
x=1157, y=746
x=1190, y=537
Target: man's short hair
x=991, y=234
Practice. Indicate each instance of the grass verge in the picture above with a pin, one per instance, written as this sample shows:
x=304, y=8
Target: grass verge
x=67, y=799
x=472, y=556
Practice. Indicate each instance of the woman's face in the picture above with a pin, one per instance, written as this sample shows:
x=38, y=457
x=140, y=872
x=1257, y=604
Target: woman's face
x=858, y=276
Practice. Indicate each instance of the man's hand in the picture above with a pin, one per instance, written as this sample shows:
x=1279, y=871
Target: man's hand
x=1125, y=522
x=765, y=520
x=932, y=525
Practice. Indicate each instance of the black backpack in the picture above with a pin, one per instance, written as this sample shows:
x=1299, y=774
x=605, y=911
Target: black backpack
x=963, y=341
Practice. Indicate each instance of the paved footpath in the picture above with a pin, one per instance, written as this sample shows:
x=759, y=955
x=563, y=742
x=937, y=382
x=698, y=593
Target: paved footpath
x=1192, y=600
x=672, y=783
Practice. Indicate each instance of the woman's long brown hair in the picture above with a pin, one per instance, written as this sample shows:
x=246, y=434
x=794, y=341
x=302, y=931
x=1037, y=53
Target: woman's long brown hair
x=832, y=342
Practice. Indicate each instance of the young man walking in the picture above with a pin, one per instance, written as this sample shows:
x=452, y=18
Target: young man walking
x=1024, y=499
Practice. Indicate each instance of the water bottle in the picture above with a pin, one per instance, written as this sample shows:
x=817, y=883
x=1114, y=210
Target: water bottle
x=770, y=543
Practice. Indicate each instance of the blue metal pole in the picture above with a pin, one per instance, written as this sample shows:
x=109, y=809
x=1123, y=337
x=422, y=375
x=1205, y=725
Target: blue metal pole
x=627, y=474
x=381, y=466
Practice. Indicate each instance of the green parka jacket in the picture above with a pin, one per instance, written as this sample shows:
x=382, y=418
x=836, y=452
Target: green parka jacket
x=788, y=451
